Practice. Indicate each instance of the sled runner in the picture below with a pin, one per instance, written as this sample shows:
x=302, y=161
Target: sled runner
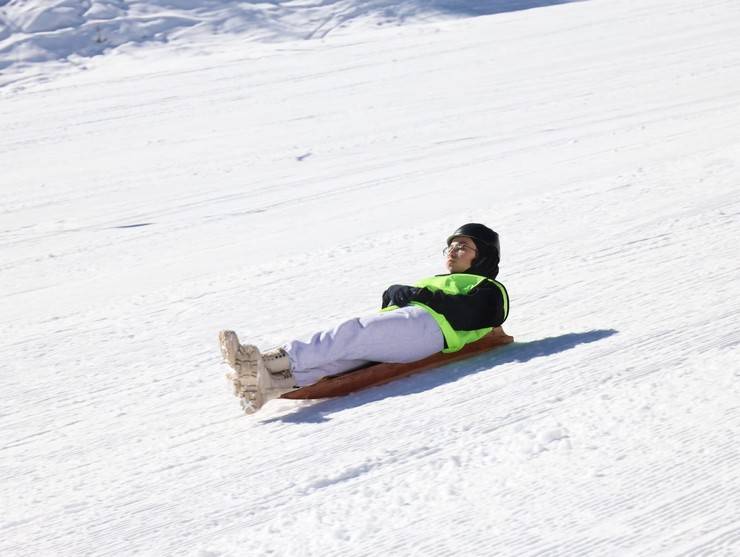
x=378, y=374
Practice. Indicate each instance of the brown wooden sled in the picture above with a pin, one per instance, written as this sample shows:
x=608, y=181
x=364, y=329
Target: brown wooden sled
x=377, y=374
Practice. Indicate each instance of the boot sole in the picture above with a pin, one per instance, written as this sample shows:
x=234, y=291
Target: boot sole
x=229, y=343
x=245, y=382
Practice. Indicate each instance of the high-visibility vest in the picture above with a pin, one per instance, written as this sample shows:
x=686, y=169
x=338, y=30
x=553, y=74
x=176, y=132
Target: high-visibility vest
x=458, y=284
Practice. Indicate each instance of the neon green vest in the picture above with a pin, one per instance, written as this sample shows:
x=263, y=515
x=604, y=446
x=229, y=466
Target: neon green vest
x=457, y=284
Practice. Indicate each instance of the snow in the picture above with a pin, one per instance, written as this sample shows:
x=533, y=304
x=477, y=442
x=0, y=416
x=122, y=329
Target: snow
x=157, y=193
x=33, y=31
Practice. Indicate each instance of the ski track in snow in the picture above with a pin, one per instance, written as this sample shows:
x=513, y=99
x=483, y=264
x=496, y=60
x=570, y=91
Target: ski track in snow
x=163, y=194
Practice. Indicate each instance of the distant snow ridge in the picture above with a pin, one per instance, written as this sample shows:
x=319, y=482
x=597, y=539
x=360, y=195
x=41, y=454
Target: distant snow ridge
x=42, y=30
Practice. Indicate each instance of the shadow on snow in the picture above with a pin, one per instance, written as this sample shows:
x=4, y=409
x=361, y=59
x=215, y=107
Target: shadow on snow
x=430, y=379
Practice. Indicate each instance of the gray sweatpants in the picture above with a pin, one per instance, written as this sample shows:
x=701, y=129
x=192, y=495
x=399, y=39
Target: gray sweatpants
x=402, y=335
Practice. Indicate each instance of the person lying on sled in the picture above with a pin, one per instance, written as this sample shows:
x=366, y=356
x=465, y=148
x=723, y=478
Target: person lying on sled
x=438, y=314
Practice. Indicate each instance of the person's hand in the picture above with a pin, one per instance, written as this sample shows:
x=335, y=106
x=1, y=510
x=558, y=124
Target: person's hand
x=399, y=295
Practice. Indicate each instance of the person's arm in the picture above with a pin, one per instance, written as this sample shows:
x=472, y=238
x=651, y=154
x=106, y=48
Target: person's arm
x=483, y=306
x=399, y=295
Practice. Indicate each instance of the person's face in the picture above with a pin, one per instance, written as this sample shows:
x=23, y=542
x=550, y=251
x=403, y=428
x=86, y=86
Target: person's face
x=460, y=254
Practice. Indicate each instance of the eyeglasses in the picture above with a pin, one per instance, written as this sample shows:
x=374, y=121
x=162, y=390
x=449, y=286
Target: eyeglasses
x=459, y=248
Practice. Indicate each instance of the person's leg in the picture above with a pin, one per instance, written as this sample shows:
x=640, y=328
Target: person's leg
x=310, y=376
x=403, y=335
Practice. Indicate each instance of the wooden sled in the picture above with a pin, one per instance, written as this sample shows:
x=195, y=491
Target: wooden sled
x=377, y=374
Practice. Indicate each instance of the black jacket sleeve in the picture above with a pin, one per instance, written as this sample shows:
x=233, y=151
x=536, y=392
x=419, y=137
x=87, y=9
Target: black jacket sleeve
x=399, y=295
x=482, y=307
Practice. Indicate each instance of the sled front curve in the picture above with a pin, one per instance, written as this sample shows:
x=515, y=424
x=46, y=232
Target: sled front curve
x=377, y=374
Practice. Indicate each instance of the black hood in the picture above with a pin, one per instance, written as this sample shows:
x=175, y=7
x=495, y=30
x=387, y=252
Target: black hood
x=486, y=266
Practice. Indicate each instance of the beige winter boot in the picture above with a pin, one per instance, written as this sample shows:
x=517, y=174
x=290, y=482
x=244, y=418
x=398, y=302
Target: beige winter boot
x=257, y=378
x=274, y=378
x=246, y=361
x=280, y=375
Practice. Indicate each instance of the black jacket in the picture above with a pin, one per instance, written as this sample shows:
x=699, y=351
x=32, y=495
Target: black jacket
x=483, y=306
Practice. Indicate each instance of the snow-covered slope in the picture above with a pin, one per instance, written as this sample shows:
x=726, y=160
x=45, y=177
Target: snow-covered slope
x=33, y=31
x=274, y=188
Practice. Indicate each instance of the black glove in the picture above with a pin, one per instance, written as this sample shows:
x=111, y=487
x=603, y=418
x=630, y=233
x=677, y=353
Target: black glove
x=400, y=295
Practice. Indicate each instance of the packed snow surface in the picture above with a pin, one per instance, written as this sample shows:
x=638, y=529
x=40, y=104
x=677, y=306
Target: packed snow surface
x=151, y=196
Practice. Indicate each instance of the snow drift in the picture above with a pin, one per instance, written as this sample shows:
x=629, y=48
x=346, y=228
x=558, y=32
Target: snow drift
x=36, y=31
